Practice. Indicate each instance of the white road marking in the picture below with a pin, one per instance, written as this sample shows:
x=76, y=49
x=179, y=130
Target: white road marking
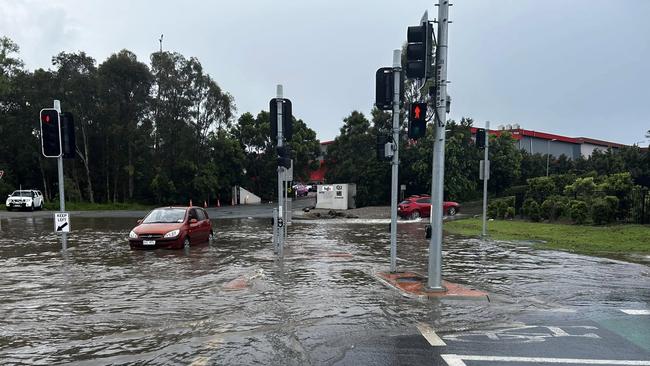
x=457, y=360
x=635, y=312
x=430, y=335
x=200, y=361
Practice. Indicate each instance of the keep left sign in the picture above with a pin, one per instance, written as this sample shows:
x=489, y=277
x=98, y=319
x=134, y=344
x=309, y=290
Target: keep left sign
x=61, y=222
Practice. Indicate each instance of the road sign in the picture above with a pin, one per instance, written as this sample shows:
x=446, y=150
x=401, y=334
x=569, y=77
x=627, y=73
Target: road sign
x=61, y=222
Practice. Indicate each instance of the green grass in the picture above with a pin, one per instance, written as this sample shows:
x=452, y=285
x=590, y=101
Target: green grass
x=593, y=240
x=86, y=206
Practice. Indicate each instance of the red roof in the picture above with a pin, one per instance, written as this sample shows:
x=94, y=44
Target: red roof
x=517, y=134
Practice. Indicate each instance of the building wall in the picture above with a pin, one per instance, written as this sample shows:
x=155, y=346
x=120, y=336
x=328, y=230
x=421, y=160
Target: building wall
x=586, y=149
x=535, y=145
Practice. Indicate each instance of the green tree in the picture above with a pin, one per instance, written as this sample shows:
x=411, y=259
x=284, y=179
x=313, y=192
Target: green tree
x=505, y=162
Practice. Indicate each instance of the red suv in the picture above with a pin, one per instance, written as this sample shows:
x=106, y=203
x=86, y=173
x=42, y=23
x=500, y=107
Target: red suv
x=420, y=206
x=172, y=228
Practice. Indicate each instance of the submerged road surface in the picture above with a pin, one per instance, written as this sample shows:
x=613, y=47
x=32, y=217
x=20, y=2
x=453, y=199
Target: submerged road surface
x=232, y=303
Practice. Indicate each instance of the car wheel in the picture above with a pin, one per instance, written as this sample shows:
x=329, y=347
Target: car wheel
x=186, y=242
x=451, y=211
x=414, y=215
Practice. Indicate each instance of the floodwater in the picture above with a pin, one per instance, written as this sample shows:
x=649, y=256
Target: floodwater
x=232, y=302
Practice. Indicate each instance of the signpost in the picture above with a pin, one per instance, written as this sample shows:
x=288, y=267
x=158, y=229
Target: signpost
x=61, y=222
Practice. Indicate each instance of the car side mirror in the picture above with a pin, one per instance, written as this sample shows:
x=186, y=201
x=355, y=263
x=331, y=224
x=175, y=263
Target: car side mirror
x=193, y=221
x=139, y=221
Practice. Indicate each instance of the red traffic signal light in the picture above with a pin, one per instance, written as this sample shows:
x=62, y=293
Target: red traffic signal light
x=50, y=133
x=417, y=120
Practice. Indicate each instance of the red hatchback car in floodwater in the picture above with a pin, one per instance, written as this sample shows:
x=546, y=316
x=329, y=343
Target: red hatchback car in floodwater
x=172, y=228
x=420, y=206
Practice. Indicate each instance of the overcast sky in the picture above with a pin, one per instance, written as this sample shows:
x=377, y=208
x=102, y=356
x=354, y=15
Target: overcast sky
x=578, y=68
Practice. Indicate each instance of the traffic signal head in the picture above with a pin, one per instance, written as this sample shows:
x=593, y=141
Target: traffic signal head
x=68, y=142
x=418, y=51
x=287, y=119
x=384, y=88
x=284, y=156
x=480, y=137
x=50, y=133
x=417, y=120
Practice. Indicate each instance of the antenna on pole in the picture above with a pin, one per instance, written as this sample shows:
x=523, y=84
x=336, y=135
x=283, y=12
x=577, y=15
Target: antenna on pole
x=161, y=40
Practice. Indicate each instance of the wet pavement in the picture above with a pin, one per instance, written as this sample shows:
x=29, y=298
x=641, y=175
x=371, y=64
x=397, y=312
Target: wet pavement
x=102, y=303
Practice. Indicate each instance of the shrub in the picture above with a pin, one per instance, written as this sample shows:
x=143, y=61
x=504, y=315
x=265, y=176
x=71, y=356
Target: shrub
x=540, y=188
x=582, y=187
x=553, y=207
x=578, y=212
x=502, y=207
x=492, y=210
x=510, y=213
x=533, y=212
x=603, y=210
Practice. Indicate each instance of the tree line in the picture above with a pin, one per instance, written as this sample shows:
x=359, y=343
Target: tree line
x=352, y=158
x=157, y=132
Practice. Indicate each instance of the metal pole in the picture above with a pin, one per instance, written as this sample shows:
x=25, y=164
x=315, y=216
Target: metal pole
x=434, y=281
x=280, y=174
x=397, y=62
x=64, y=236
x=486, y=167
x=275, y=230
x=548, y=152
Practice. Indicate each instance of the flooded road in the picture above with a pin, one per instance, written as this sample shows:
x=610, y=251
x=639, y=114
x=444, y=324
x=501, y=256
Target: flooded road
x=232, y=302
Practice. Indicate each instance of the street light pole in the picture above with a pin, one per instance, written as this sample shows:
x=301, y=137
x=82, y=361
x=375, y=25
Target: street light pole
x=548, y=153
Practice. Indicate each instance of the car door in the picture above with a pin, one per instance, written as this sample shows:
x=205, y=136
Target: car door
x=424, y=206
x=206, y=224
x=194, y=227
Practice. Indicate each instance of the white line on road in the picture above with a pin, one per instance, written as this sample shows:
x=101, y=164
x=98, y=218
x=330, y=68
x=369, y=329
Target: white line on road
x=430, y=335
x=457, y=360
x=635, y=312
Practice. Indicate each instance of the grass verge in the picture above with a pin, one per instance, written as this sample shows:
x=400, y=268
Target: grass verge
x=86, y=206
x=593, y=240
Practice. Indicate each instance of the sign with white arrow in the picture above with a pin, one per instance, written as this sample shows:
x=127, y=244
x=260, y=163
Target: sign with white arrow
x=61, y=222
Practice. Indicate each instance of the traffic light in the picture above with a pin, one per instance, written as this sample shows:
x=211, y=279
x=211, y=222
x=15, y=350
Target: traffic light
x=384, y=147
x=480, y=137
x=418, y=51
x=68, y=142
x=287, y=119
x=50, y=133
x=284, y=156
x=384, y=88
x=417, y=120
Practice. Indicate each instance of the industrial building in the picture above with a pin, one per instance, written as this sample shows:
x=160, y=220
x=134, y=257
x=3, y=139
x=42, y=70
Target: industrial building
x=535, y=142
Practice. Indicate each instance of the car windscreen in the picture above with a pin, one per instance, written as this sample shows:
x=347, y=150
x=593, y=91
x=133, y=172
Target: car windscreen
x=165, y=215
x=405, y=202
x=22, y=194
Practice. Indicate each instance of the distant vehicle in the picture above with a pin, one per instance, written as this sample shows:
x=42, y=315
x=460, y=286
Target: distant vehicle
x=172, y=228
x=301, y=189
x=420, y=206
x=31, y=199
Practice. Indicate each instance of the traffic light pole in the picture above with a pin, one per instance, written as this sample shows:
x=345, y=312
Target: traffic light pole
x=64, y=235
x=397, y=62
x=281, y=171
x=434, y=282
x=486, y=167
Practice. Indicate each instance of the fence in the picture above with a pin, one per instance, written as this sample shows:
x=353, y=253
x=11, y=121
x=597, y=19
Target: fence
x=640, y=206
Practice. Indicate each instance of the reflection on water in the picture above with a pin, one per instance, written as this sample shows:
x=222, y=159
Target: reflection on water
x=102, y=303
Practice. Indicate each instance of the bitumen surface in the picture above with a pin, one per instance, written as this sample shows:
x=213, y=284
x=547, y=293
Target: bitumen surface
x=233, y=302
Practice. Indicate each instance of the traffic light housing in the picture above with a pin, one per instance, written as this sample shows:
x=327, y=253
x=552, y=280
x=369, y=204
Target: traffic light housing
x=284, y=156
x=68, y=142
x=287, y=119
x=417, y=120
x=418, y=51
x=480, y=137
x=384, y=152
x=50, y=133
